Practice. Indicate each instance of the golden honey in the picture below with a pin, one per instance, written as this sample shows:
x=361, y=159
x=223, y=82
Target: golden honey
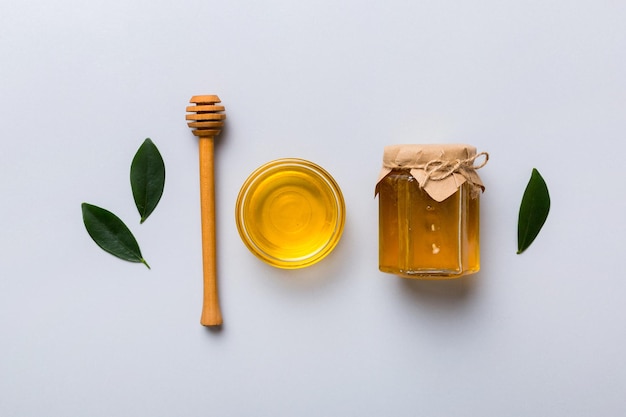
x=290, y=213
x=420, y=236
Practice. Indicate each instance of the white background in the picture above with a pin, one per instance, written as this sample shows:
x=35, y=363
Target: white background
x=534, y=83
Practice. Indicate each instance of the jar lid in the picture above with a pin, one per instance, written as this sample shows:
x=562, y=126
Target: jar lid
x=290, y=213
x=439, y=169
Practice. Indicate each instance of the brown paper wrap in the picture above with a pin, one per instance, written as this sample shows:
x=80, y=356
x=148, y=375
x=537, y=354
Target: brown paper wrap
x=439, y=169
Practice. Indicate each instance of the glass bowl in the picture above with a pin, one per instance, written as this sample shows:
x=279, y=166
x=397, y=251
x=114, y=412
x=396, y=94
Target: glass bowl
x=290, y=213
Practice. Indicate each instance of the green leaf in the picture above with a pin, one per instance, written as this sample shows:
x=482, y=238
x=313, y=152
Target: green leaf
x=111, y=234
x=147, y=178
x=533, y=211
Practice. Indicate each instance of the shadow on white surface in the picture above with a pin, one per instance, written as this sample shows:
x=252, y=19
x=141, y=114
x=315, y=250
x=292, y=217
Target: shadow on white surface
x=440, y=293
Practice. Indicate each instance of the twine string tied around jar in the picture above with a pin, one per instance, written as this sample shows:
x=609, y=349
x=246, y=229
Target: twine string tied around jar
x=438, y=169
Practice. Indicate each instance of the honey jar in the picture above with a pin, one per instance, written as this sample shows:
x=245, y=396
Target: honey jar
x=429, y=210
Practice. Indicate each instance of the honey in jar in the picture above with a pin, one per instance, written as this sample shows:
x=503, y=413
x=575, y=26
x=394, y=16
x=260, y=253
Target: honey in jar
x=429, y=206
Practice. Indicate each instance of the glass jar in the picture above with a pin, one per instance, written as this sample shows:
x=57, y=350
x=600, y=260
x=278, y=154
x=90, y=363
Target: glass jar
x=429, y=204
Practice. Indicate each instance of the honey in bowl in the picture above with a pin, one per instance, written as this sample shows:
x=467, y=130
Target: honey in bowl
x=290, y=213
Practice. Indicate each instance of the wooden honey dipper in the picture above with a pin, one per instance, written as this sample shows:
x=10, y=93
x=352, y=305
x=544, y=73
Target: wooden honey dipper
x=206, y=119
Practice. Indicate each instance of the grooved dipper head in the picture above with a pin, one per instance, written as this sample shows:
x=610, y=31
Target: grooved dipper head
x=205, y=118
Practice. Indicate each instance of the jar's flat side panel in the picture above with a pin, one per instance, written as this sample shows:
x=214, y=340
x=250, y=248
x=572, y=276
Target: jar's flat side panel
x=389, y=232
x=436, y=233
x=473, y=234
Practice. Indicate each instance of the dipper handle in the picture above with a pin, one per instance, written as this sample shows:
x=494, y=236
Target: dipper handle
x=211, y=314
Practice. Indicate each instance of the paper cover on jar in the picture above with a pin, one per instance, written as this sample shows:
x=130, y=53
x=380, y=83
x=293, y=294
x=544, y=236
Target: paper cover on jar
x=439, y=169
